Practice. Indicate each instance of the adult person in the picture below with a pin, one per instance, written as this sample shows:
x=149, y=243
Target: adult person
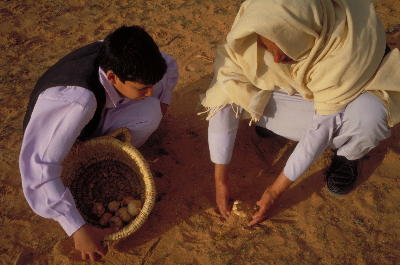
x=123, y=81
x=314, y=71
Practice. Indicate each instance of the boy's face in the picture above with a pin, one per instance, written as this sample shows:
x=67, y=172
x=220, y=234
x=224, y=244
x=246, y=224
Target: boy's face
x=393, y=39
x=130, y=89
x=277, y=53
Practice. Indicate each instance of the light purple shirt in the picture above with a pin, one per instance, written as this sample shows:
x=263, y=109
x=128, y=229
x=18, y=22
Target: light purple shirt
x=57, y=120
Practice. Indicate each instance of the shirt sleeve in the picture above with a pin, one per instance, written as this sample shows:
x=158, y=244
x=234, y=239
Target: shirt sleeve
x=222, y=130
x=58, y=117
x=166, y=85
x=312, y=144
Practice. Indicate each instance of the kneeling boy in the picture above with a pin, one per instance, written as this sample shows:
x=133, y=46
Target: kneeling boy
x=123, y=81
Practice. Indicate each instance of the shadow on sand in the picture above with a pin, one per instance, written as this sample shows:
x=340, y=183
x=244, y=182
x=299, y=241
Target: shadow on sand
x=179, y=157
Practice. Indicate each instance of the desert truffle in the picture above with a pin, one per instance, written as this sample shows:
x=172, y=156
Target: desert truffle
x=105, y=219
x=115, y=221
x=242, y=209
x=134, y=207
x=113, y=206
x=124, y=214
x=127, y=199
x=98, y=209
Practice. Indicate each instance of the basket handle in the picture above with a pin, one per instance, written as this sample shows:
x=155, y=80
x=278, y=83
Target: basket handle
x=123, y=134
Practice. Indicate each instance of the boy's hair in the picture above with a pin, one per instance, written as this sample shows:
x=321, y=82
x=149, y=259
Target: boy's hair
x=132, y=55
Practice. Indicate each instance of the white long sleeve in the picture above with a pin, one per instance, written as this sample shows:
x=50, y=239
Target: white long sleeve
x=311, y=145
x=222, y=134
x=57, y=120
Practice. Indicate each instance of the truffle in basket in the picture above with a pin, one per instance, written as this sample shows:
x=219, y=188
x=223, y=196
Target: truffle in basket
x=134, y=207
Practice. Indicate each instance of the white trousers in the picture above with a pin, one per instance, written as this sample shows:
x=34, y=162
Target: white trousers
x=360, y=127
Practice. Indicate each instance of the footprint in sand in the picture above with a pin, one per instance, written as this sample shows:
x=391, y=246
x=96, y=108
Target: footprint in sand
x=196, y=62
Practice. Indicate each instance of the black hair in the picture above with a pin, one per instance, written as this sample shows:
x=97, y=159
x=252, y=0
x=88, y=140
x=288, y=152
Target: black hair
x=132, y=55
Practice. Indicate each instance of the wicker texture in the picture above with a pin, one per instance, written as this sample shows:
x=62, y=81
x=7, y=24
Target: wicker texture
x=96, y=163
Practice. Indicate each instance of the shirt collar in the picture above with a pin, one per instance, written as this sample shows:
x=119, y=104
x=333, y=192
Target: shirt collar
x=113, y=97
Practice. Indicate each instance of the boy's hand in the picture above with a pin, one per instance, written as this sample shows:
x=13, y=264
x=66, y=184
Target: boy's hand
x=88, y=239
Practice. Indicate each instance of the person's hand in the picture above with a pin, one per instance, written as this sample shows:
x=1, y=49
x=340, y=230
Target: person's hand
x=88, y=239
x=271, y=193
x=263, y=204
x=222, y=190
x=222, y=199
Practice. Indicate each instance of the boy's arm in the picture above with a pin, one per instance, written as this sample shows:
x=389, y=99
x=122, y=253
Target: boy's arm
x=164, y=88
x=59, y=116
x=57, y=120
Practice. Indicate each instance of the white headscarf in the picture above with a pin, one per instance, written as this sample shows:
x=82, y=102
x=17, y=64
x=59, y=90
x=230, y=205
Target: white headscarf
x=337, y=45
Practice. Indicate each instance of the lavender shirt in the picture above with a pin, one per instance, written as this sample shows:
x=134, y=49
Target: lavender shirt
x=57, y=119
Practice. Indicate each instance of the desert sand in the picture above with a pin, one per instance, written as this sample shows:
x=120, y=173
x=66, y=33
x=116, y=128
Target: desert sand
x=307, y=225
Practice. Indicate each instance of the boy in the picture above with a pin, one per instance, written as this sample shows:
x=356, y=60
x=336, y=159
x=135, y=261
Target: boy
x=123, y=81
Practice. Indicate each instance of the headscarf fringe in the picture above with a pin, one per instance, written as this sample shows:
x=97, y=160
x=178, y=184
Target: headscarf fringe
x=236, y=110
x=211, y=111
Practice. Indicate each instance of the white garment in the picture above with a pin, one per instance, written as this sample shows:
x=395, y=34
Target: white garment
x=352, y=132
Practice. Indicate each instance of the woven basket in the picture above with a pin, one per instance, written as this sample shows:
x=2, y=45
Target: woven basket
x=107, y=168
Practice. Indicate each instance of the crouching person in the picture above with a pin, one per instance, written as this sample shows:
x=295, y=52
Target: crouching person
x=123, y=81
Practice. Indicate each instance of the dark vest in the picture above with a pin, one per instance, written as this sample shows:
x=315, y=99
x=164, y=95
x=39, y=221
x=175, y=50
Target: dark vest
x=79, y=68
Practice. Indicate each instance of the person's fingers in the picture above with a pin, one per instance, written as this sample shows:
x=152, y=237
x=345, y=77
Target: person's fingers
x=259, y=215
x=259, y=204
x=255, y=217
x=222, y=212
x=254, y=221
x=225, y=214
x=83, y=255
x=101, y=252
x=92, y=256
x=223, y=208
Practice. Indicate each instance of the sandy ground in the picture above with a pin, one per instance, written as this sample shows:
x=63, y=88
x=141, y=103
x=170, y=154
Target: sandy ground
x=307, y=226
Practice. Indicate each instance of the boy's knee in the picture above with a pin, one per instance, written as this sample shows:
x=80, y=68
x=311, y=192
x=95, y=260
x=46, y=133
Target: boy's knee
x=152, y=109
x=150, y=120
